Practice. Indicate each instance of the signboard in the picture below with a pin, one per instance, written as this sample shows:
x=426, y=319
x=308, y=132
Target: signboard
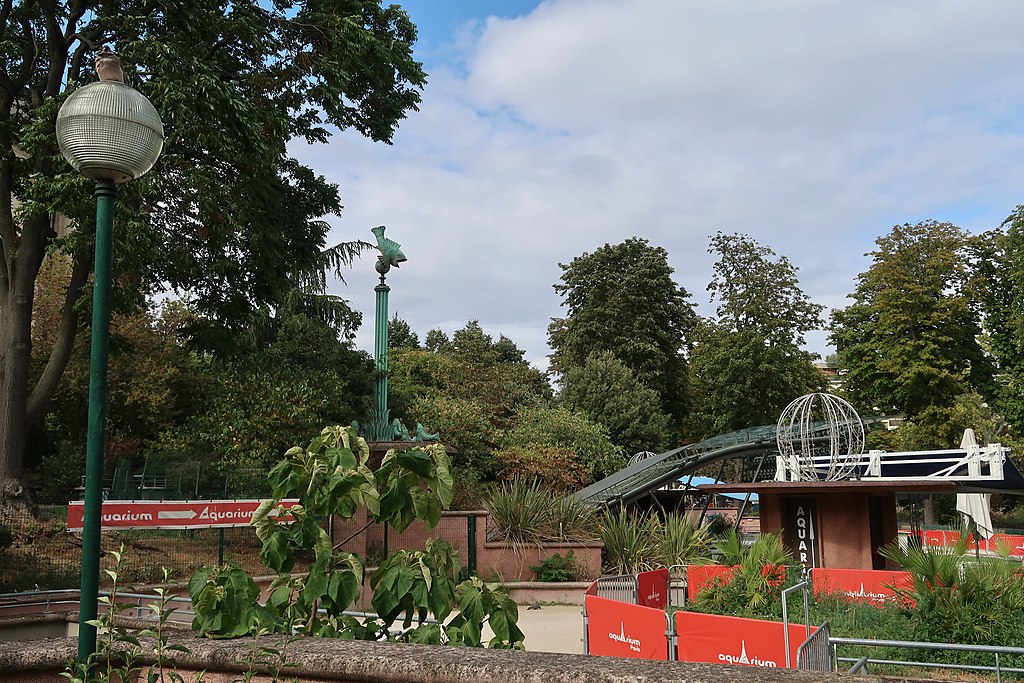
x=801, y=530
x=169, y=514
x=735, y=640
x=939, y=538
x=704, y=576
x=652, y=588
x=618, y=629
x=863, y=585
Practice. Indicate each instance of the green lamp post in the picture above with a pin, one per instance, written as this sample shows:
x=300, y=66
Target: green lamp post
x=111, y=133
x=379, y=427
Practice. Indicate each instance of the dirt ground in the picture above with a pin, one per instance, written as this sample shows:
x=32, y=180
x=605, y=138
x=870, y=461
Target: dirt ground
x=43, y=554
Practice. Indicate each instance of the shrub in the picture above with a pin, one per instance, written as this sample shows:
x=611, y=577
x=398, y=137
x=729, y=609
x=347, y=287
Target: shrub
x=525, y=514
x=629, y=542
x=638, y=542
x=755, y=588
x=557, y=568
x=958, y=599
x=678, y=541
x=556, y=467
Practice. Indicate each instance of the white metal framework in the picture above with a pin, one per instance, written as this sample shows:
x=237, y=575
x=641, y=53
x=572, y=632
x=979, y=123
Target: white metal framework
x=806, y=455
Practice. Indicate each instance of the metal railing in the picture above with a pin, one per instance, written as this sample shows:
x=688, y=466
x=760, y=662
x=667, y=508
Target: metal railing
x=677, y=585
x=137, y=606
x=803, y=586
x=621, y=588
x=56, y=601
x=814, y=654
x=861, y=663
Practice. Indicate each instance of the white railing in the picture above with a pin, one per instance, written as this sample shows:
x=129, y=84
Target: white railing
x=974, y=463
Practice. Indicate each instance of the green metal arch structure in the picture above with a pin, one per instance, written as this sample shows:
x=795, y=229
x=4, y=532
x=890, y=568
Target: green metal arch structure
x=757, y=445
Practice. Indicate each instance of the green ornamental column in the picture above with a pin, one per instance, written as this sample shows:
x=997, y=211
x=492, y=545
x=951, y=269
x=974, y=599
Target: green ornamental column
x=390, y=255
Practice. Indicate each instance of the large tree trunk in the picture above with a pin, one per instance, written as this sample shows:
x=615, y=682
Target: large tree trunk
x=16, y=352
x=24, y=90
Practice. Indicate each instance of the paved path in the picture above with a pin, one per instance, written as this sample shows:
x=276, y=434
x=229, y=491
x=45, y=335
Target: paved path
x=553, y=628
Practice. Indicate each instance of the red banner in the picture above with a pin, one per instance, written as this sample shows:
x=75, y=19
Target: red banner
x=700, y=577
x=169, y=514
x=860, y=584
x=653, y=588
x=941, y=538
x=735, y=640
x=1015, y=543
x=617, y=629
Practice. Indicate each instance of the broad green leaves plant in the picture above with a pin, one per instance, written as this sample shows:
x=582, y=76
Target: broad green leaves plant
x=331, y=476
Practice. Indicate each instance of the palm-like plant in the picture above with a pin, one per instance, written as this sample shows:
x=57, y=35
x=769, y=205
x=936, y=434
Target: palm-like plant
x=526, y=513
x=520, y=513
x=629, y=544
x=954, y=598
x=760, y=573
x=678, y=541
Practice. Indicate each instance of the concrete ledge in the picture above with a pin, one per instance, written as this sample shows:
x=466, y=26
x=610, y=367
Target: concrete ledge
x=321, y=659
x=561, y=593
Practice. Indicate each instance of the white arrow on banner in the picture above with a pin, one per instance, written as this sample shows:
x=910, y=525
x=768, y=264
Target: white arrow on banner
x=175, y=514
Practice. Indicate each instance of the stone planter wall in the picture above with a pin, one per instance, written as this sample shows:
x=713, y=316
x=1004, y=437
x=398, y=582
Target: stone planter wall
x=321, y=659
x=494, y=561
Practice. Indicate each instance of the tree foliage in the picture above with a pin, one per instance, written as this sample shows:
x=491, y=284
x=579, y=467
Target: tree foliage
x=400, y=335
x=1000, y=275
x=622, y=298
x=608, y=393
x=909, y=343
x=468, y=388
x=227, y=215
x=748, y=364
x=577, y=436
x=247, y=409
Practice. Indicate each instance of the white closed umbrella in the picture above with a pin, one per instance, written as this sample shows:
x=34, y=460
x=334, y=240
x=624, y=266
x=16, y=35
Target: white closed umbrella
x=975, y=506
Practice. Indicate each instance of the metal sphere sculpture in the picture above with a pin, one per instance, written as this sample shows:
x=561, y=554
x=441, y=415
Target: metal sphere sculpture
x=642, y=455
x=820, y=437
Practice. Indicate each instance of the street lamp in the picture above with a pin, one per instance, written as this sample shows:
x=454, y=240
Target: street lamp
x=111, y=133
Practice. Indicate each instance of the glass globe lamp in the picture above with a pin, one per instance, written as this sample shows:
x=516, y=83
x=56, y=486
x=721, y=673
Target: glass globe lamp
x=109, y=131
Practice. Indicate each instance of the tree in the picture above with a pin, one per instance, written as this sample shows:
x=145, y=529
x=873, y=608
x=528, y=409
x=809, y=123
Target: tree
x=400, y=335
x=580, y=439
x=436, y=341
x=227, y=216
x=758, y=290
x=608, y=392
x=1000, y=274
x=622, y=299
x=747, y=365
x=469, y=389
x=247, y=409
x=909, y=343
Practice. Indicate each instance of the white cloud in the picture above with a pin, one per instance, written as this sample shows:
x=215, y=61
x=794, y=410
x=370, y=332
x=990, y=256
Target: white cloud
x=811, y=126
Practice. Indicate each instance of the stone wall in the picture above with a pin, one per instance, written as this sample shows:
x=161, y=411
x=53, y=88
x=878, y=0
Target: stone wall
x=494, y=561
x=338, y=661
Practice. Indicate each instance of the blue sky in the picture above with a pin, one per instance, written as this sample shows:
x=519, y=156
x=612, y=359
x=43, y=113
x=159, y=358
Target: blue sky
x=549, y=129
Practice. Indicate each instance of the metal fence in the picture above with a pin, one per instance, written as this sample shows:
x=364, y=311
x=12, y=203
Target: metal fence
x=621, y=588
x=814, y=653
x=861, y=664
x=38, y=553
x=677, y=585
